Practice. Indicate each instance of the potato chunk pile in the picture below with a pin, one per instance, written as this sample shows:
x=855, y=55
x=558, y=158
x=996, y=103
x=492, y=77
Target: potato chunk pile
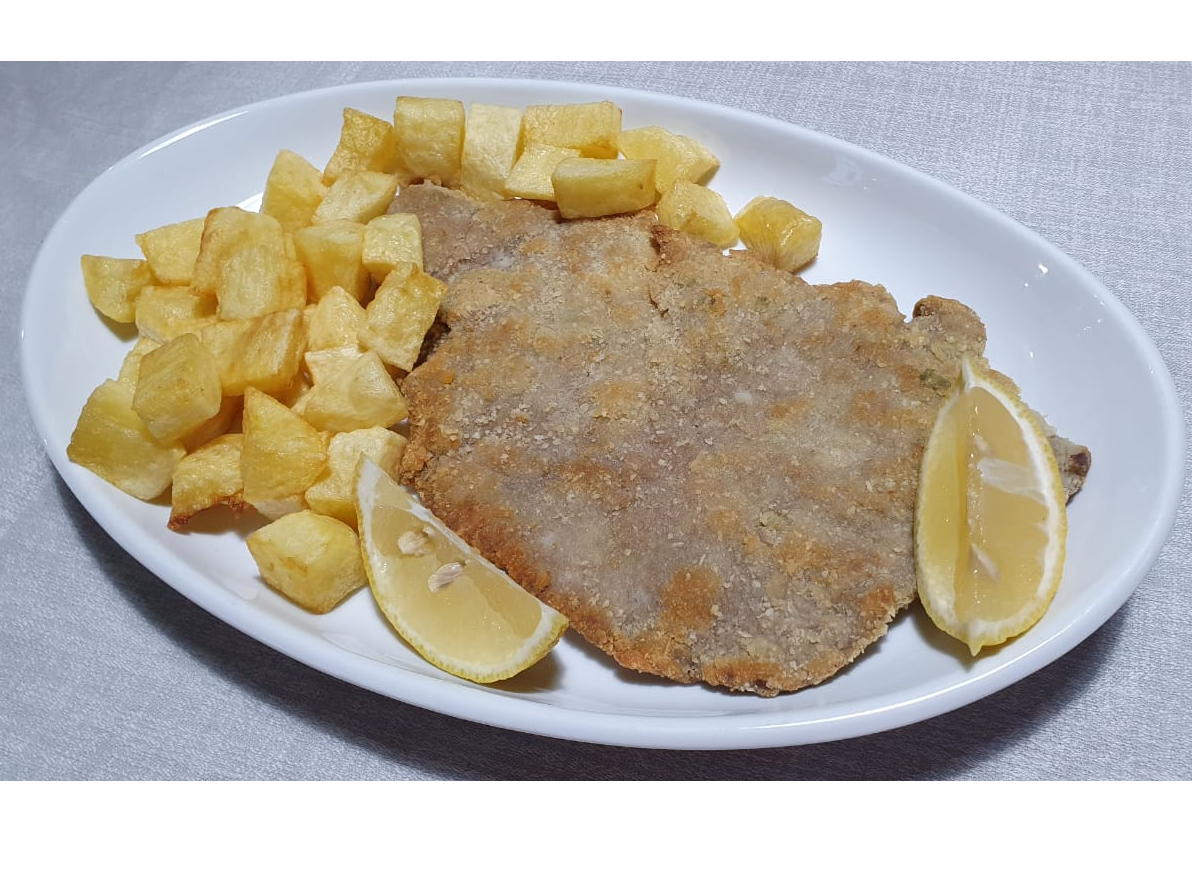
x=270, y=345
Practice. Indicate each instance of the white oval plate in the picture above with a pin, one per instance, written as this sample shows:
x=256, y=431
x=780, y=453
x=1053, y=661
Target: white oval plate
x=1077, y=353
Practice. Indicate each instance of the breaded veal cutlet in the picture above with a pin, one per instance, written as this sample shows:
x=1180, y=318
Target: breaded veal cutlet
x=707, y=464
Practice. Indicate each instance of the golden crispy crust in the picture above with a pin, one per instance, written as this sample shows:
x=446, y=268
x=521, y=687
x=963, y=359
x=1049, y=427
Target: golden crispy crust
x=707, y=464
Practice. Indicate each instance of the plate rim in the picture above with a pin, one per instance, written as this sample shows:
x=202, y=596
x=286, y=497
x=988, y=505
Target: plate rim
x=526, y=715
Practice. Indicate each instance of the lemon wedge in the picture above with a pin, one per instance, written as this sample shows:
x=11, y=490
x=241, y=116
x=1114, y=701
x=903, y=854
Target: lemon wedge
x=990, y=522
x=460, y=612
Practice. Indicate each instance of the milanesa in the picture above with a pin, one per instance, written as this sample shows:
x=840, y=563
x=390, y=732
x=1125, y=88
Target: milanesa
x=706, y=463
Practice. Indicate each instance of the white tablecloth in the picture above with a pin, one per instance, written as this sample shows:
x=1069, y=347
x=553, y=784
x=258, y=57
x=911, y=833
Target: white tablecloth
x=108, y=673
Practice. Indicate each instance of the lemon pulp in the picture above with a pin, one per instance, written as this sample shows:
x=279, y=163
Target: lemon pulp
x=461, y=613
x=990, y=522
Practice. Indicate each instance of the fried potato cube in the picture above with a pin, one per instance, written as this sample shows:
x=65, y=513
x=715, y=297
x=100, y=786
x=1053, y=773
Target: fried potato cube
x=171, y=250
x=293, y=190
x=590, y=127
x=256, y=280
x=594, y=187
x=226, y=230
x=490, y=149
x=207, y=477
x=333, y=256
x=334, y=321
x=779, y=233
x=113, y=284
x=679, y=157
x=430, y=139
x=293, y=394
x=327, y=363
x=177, y=388
x=281, y=457
x=389, y=240
x=219, y=424
x=361, y=395
x=357, y=195
x=311, y=559
x=530, y=176
x=299, y=405
x=699, y=211
x=130, y=367
x=263, y=352
x=165, y=312
x=334, y=494
x=400, y=314
x=111, y=440
x=366, y=143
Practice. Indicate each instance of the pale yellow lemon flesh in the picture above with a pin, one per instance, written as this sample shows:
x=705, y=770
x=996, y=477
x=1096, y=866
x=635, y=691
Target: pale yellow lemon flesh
x=458, y=611
x=990, y=524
